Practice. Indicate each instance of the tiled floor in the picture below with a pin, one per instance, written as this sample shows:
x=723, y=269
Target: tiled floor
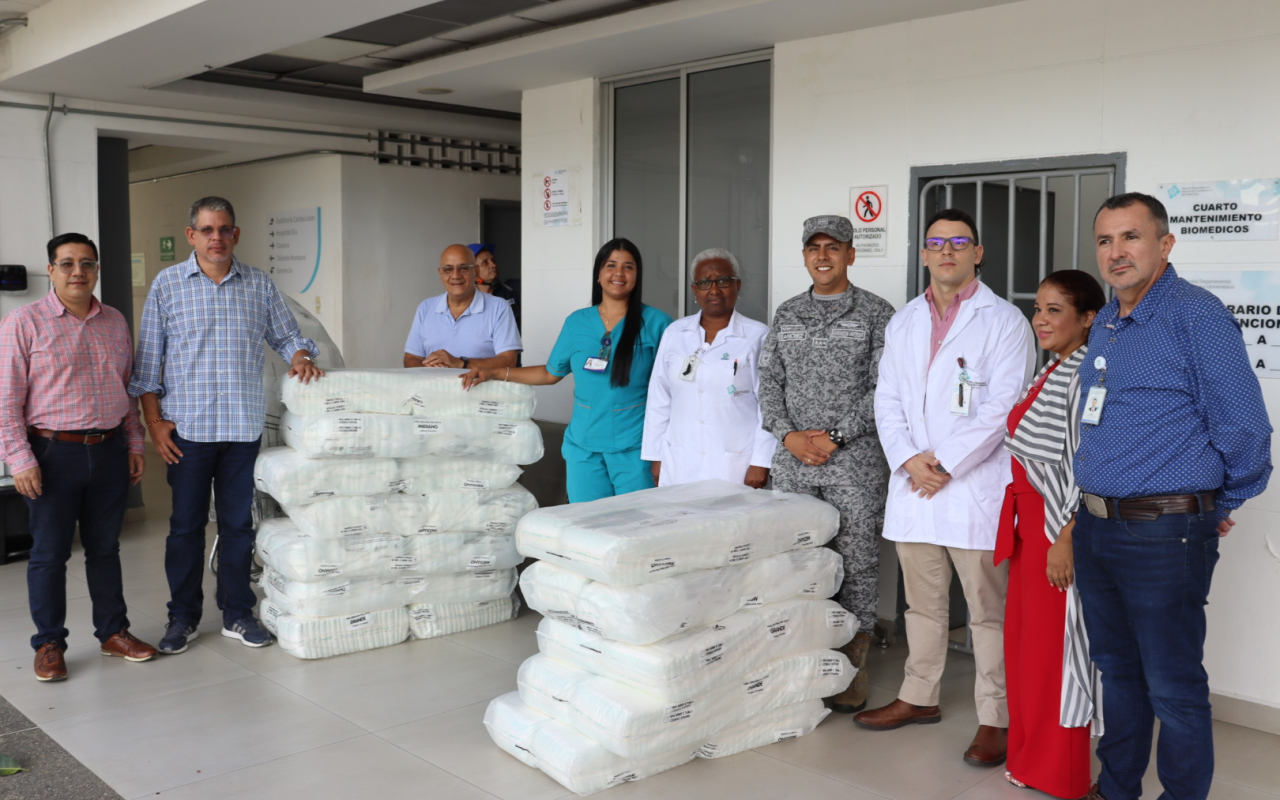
x=226, y=721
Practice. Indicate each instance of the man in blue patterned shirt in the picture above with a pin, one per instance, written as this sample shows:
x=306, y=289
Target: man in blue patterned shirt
x=1174, y=437
x=199, y=374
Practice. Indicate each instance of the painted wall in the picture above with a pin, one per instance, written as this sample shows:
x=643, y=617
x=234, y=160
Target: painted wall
x=395, y=222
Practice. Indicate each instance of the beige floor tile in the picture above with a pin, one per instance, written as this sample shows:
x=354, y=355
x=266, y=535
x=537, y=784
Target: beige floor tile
x=511, y=641
x=457, y=741
x=365, y=767
x=382, y=688
x=1246, y=757
x=751, y=775
x=176, y=739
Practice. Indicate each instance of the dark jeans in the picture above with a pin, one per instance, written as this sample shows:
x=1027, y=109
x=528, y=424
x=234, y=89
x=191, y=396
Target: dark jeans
x=89, y=485
x=1144, y=586
x=228, y=467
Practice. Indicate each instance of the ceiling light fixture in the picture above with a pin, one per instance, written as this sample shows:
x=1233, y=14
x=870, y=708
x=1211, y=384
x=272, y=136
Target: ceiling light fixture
x=434, y=90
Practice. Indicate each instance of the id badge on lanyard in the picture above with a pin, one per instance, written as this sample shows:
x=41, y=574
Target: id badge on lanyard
x=962, y=394
x=1097, y=395
x=600, y=363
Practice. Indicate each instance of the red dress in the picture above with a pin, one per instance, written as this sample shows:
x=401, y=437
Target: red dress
x=1042, y=754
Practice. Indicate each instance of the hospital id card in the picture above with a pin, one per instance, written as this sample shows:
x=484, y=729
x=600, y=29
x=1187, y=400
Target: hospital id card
x=961, y=399
x=689, y=369
x=1093, y=405
x=596, y=364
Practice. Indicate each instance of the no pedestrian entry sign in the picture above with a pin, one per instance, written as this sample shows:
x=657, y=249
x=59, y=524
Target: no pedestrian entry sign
x=866, y=211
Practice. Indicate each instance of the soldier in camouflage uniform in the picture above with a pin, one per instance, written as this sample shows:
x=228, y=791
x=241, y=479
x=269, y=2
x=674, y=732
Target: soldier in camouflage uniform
x=818, y=373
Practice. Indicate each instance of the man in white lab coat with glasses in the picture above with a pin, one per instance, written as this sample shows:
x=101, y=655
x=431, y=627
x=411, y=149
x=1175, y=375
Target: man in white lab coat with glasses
x=955, y=360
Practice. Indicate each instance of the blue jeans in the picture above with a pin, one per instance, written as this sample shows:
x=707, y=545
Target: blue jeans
x=228, y=467
x=86, y=484
x=1144, y=586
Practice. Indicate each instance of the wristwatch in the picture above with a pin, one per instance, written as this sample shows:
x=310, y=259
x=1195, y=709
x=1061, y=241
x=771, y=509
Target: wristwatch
x=466, y=362
x=941, y=470
x=837, y=437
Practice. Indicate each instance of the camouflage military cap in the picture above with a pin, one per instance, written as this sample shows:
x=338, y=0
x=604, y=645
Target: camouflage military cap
x=833, y=225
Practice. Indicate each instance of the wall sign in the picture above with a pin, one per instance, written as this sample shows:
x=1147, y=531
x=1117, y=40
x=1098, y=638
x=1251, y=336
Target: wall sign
x=138, y=266
x=1223, y=211
x=558, y=204
x=870, y=225
x=1253, y=296
x=293, y=247
x=167, y=251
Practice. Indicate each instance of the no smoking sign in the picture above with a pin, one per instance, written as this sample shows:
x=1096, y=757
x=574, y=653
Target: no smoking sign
x=870, y=228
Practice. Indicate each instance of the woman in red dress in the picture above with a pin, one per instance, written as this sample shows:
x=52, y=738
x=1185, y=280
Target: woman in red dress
x=1050, y=680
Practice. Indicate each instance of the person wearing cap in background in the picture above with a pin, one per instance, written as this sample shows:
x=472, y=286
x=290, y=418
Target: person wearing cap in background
x=71, y=436
x=462, y=328
x=487, y=279
x=955, y=361
x=818, y=373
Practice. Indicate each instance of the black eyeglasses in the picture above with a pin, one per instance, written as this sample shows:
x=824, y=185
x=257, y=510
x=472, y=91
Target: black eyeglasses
x=721, y=283
x=957, y=243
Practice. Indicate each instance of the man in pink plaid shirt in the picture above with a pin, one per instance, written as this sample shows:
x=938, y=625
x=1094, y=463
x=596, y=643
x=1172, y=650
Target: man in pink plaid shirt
x=71, y=436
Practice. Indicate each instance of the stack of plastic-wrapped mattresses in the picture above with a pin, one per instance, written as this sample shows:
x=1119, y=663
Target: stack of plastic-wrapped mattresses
x=679, y=622
x=401, y=500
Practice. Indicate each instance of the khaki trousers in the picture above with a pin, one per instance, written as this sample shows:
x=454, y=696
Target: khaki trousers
x=926, y=572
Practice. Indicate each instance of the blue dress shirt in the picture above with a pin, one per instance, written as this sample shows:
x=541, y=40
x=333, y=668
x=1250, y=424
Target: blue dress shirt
x=1183, y=411
x=200, y=349
x=487, y=327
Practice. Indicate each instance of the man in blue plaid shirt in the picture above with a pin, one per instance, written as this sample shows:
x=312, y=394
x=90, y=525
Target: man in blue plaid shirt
x=198, y=372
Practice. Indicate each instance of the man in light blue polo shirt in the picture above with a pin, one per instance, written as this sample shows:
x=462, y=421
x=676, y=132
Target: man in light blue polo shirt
x=462, y=328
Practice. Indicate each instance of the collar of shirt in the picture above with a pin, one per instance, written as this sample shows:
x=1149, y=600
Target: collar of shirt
x=949, y=316
x=693, y=324
x=1148, y=306
x=53, y=307
x=840, y=304
x=476, y=307
x=193, y=267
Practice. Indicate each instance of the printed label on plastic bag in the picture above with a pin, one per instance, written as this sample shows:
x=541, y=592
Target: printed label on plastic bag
x=661, y=564
x=353, y=530
x=490, y=408
x=424, y=427
x=485, y=574
x=334, y=404
x=782, y=736
x=711, y=655
x=404, y=562
x=428, y=529
x=741, y=553
x=590, y=627
x=359, y=621
x=349, y=425
x=560, y=615
x=779, y=628
x=475, y=483
x=804, y=539
x=623, y=777
x=504, y=428
x=830, y=667
x=424, y=614
x=708, y=750
x=481, y=561
x=813, y=589
x=401, y=485
x=836, y=617
x=337, y=591
x=752, y=601
x=755, y=685
x=494, y=526
x=421, y=582
x=417, y=401
x=322, y=493
x=328, y=570
x=678, y=712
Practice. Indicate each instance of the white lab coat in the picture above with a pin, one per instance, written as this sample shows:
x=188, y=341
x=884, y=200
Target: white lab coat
x=913, y=402
x=709, y=427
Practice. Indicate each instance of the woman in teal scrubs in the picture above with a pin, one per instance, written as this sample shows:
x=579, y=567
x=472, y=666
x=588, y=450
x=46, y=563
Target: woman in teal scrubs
x=609, y=347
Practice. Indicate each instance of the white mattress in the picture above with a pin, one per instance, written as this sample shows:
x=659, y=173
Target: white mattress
x=291, y=479
x=648, y=535
x=488, y=510
x=336, y=597
x=351, y=435
x=322, y=637
x=433, y=392
x=462, y=552
x=694, y=661
x=652, y=611
x=585, y=767
x=636, y=724
x=428, y=620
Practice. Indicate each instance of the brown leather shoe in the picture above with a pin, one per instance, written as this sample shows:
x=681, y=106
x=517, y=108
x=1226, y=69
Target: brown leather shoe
x=129, y=647
x=897, y=714
x=990, y=744
x=50, y=665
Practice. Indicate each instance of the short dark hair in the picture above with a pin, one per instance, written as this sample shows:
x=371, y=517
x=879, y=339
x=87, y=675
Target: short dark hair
x=1157, y=209
x=211, y=203
x=69, y=238
x=1081, y=288
x=955, y=215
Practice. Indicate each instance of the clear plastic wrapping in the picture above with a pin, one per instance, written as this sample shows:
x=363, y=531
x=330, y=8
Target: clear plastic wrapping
x=486, y=510
x=430, y=392
x=694, y=661
x=341, y=596
x=353, y=435
x=429, y=620
x=323, y=637
x=636, y=724
x=645, y=536
x=649, y=612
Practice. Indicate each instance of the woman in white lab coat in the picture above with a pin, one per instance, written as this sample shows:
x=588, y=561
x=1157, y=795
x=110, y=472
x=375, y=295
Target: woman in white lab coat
x=703, y=416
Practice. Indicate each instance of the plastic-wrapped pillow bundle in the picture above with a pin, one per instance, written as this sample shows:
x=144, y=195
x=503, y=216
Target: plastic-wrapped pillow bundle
x=351, y=435
x=322, y=637
x=694, y=661
x=487, y=510
x=293, y=480
x=429, y=620
x=649, y=535
x=586, y=767
x=441, y=474
x=299, y=556
x=429, y=392
x=339, y=596
x=652, y=611
x=636, y=724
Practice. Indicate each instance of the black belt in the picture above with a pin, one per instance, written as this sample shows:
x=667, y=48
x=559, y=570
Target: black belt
x=1148, y=508
x=75, y=438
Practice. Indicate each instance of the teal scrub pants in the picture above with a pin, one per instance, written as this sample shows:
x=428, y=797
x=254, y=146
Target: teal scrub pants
x=591, y=476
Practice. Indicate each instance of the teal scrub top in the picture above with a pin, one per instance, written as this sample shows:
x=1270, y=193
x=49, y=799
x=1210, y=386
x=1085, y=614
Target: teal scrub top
x=606, y=419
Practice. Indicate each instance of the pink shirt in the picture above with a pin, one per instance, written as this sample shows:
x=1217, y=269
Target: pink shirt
x=63, y=373
x=942, y=322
